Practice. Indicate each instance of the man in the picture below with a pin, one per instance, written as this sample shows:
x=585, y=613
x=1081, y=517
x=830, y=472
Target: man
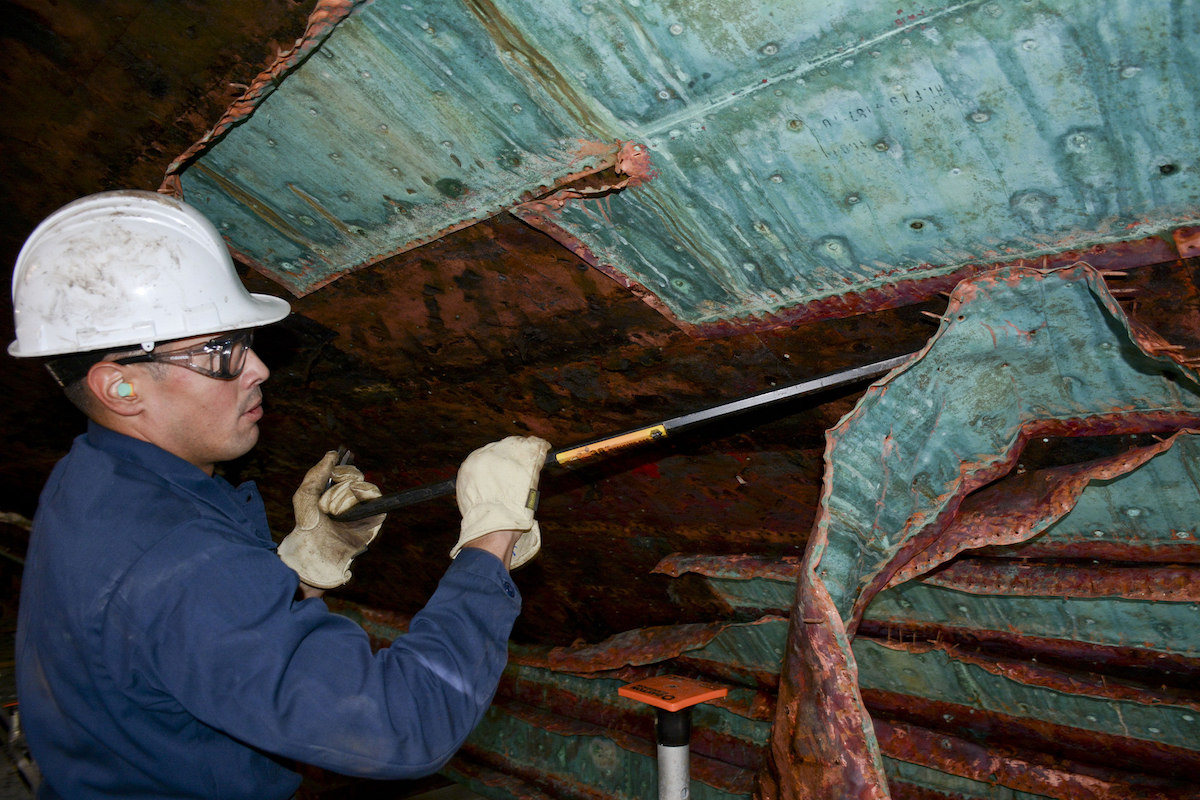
x=163, y=650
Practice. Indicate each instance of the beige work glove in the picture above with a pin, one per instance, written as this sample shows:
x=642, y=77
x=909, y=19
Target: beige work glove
x=496, y=490
x=319, y=548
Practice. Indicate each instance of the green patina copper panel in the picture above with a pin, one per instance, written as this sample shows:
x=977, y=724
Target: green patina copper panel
x=399, y=127
x=935, y=675
x=800, y=150
x=753, y=648
x=754, y=594
x=1160, y=626
x=1019, y=349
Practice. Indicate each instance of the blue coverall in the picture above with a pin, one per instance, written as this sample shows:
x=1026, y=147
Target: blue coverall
x=161, y=653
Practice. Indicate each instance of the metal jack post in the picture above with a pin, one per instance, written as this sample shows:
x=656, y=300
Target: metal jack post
x=672, y=699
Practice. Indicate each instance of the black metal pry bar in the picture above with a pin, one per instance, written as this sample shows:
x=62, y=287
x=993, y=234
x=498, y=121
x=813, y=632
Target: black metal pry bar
x=607, y=445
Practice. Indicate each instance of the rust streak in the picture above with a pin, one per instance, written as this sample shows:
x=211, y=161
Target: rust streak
x=325, y=17
x=1030, y=756
x=1140, y=664
x=1168, y=583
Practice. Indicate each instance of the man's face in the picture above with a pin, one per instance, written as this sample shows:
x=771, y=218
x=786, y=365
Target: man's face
x=202, y=420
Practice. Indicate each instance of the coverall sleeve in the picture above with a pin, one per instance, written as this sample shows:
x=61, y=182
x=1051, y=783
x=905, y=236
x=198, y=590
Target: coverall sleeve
x=221, y=636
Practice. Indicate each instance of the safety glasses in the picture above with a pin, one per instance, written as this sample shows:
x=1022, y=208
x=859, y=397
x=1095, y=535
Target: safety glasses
x=222, y=358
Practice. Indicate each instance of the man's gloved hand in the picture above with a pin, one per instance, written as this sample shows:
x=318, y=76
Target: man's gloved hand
x=496, y=490
x=320, y=549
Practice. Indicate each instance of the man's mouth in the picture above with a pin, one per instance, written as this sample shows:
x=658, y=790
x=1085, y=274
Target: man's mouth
x=255, y=409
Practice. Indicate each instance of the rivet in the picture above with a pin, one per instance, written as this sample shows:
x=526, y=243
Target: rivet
x=675, y=29
x=916, y=225
x=1133, y=512
x=776, y=179
x=769, y=49
x=1029, y=44
x=517, y=108
x=1098, y=534
x=1182, y=535
x=313, y=112
x=852, y=199
x=881, y=146
x=270, y=143
x=383, y=128
x=980, y=116
x=663, y=94
x=1167, y=169
x=795, y=124
x=1129, y=72
x=365, y=74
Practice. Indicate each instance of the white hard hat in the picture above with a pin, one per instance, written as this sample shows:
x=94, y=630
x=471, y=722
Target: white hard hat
x=128, y=268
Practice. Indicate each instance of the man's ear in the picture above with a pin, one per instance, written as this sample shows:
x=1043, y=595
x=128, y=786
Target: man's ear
x=113, y=387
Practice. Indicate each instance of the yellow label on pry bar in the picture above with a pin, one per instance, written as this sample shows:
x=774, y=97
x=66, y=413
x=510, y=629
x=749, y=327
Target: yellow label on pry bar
x=606, y=446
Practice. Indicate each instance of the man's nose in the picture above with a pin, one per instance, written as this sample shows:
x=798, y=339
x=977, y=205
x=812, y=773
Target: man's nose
x=255, y=369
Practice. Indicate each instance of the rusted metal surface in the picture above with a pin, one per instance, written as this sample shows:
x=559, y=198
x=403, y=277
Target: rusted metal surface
x=1045, y=677
x=986, y=768
x=494, y=329
x=1141, y=665
x=919, y=481
x=1180, y=583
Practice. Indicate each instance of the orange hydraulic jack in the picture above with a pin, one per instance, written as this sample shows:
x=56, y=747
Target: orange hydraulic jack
x=672, y=699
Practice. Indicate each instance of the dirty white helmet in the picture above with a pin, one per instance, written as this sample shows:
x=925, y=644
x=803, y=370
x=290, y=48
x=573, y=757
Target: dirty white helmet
x=128, y=268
